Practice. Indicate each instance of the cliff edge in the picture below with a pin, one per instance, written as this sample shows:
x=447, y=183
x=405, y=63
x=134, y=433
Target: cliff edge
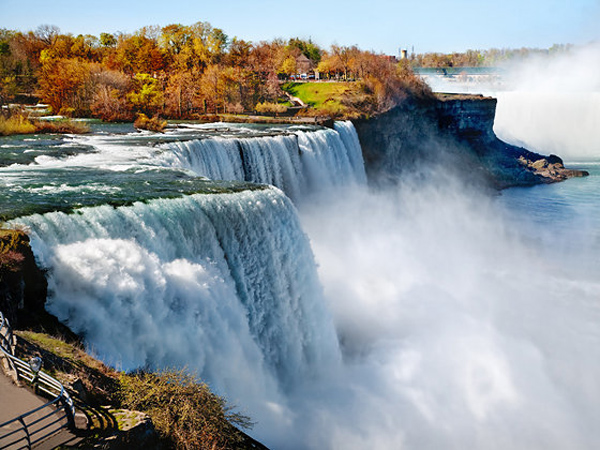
x=452, y=132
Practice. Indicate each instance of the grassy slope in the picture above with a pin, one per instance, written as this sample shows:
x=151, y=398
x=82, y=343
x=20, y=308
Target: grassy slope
x=327, y=99
x=316, y=94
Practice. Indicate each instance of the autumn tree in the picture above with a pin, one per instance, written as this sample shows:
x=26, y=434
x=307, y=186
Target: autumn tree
x=288, y=66
x=341, y=56
x=174, y=38
x=8, y=80
x=217, y=43
x=110, y=101
x=186, y=48
x=139, y=54
x=67, y=85
x=182, y=95
x=147, y=96
x=218, y=89
x=108, y=40
x=21, y=59
x=47, y=33
x=248, y=83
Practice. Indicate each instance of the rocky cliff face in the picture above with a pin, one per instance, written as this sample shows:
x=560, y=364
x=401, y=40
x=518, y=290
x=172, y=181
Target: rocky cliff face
x=467, y=116
x=451, y=133
x=23, y=285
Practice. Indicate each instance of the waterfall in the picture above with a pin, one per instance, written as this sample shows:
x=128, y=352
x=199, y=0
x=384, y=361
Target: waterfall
x=545, y=122
x=452, y=307
x=298, y=163
x=225, y=284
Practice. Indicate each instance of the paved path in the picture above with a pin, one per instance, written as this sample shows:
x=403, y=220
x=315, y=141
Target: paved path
x=295, y=100
x=15, y=401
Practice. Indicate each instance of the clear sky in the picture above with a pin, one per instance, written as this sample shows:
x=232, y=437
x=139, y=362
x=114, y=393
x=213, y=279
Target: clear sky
x=379, y=25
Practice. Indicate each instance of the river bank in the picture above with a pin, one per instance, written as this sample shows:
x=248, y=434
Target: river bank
x=21, y=122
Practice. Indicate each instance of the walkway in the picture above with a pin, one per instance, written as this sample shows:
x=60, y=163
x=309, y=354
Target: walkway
x=14, y=400
x=48, y=427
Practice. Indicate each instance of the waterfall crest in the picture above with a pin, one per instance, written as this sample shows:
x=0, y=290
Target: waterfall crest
x=298, y=163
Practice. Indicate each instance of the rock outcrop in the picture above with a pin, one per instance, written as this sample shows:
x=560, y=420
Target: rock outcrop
x=452, y=133
x=23, y=285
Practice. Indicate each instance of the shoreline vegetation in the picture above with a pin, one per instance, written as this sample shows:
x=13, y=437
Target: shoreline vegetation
x=183, y=412
x=192, y=72
x=22, y=123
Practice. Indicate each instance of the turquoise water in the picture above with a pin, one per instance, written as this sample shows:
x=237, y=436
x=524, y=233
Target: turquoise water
x=113, y=165
x=564, y=216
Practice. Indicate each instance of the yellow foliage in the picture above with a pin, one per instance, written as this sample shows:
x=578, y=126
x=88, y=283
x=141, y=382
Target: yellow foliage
x=16, y=124
x=10, y=255
x=270, y=108
x=143, y=122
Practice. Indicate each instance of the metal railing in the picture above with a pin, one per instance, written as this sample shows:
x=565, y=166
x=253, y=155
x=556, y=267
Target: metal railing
x=39, y=424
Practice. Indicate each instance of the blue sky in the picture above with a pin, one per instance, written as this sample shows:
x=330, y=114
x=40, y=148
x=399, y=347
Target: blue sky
x=379, y=25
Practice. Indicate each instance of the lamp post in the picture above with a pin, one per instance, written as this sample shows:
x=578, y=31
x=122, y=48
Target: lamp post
x=35, y=364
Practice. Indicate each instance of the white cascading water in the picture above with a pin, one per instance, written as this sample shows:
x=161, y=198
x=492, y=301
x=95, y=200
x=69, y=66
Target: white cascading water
x=223, y=284
x=298, y=163
x=553, y=105
x=217, y=158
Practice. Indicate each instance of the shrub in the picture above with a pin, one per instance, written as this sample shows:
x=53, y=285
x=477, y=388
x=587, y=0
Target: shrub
x=61, y=126
x=235, y=108
x=16, y=124
x=270, y=108
x=110, y=99
x=153, y=124
x=20, y=123
x=10, y=256
x=184, y=411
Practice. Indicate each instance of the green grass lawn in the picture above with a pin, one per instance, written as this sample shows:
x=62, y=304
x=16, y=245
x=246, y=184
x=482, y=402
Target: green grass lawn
x=316, y=94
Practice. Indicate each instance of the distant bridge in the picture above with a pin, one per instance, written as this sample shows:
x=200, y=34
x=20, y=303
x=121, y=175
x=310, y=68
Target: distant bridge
x=462, y=76
x=459, y=71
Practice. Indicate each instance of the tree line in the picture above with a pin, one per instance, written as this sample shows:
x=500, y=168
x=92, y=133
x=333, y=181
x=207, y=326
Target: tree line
x=180, y=71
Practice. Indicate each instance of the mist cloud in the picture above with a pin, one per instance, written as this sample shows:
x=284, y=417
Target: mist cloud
x=458, y=330
x=553, y=105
